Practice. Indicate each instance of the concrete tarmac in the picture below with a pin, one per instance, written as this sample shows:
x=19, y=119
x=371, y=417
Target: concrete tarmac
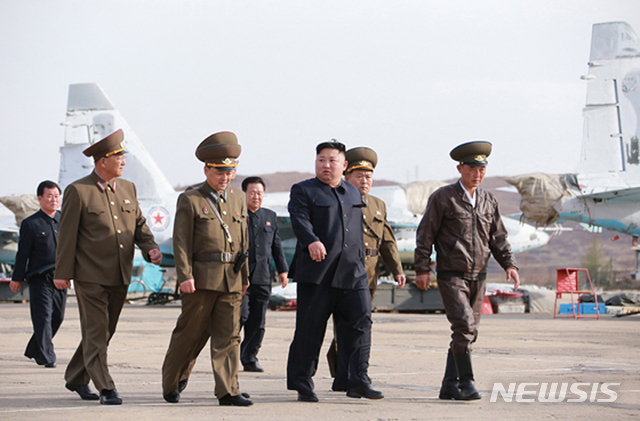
x=407, y=363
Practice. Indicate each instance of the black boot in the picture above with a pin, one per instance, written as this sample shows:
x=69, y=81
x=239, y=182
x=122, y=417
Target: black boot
x=449, y=389
x=468, y=391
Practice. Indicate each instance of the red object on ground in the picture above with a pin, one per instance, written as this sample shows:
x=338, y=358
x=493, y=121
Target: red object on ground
x=487, y=308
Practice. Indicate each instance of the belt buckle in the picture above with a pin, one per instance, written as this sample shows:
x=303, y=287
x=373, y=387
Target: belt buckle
x=226, y=257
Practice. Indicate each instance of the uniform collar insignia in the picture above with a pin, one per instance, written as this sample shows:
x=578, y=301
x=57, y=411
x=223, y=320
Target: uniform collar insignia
x=101, y=185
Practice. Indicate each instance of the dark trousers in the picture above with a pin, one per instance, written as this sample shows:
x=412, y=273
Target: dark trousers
x=100, y=307
x=462, y=301
x=254, y=312
x=47, y=304
x=352, y=310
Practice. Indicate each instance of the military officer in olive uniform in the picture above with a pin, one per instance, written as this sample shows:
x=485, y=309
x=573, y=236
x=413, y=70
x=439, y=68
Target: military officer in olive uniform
x=463, y=222
x=379, y=240
x=210, y=238
x=100, y=226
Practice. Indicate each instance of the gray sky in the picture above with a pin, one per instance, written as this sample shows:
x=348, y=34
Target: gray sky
x=411, y=79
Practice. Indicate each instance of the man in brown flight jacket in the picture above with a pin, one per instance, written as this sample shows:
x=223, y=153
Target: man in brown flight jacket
x=100, y=226
x=463, y=222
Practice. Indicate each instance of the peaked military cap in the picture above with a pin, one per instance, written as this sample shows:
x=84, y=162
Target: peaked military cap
x=220, y=151
x=110, y=145
x=472, y=153
x=361, y=158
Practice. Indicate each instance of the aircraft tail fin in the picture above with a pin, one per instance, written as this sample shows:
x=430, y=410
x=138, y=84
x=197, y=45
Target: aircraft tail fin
x=612, y=111
x=91, y=116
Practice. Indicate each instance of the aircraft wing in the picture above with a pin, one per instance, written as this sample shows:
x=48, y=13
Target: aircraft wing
x=627, y=195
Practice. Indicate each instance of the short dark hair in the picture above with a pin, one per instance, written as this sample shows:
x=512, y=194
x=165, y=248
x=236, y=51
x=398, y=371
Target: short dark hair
x=47, y=184
x=331, y=144
x=252, y=180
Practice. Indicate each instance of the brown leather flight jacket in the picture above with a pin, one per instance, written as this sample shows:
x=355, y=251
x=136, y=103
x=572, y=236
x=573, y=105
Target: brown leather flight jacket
x=464, y=237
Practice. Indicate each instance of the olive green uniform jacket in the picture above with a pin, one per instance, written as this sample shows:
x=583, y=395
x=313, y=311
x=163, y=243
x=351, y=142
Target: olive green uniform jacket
x=99, y=229
x=379, y=235
x=197, y=230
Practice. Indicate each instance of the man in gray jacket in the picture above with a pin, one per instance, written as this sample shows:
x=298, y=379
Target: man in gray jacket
x=463, y=222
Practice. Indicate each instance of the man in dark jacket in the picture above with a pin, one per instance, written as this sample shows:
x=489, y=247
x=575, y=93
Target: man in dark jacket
x=35, y=262
x=264, y=245
x=463, y=222
x=328, y=266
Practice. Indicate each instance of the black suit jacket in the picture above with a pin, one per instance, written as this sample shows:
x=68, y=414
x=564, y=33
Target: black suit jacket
x=333, y=216
x=36, y=246
x=264, y=245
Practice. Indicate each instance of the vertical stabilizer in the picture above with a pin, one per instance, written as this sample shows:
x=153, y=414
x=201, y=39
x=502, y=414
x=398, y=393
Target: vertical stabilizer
x=612, y=112
x=90, y=117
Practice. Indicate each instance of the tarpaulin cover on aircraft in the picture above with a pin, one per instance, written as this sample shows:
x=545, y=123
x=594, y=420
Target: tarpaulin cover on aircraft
x=22, y=206
x=540, y=192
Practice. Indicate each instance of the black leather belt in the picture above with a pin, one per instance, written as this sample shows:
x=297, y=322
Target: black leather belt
x=445, y=274
x=370, y=252
x=215, y=257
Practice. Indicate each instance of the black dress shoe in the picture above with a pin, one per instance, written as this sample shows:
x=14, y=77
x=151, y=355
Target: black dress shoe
x=84, y=391
x=182, y=385
x=239, y=400
x=50, y=365
x=110, y=397
x=312, y=397
x=172, y=397
x=364, y=392
x=245, y=394
x=254, y=367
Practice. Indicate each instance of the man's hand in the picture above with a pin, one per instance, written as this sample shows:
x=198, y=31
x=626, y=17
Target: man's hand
x=422, y=280
x=155, y=256
x=401, y=279
x=245, y=288
x=188, y=286
x=317, y=251
x=62, y=283
x=15, y=285
x=512, y=273
x=283, y=279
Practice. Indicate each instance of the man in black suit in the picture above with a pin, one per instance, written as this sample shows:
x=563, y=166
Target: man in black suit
x=328, y=266
x=264, y=245
x=35, y=262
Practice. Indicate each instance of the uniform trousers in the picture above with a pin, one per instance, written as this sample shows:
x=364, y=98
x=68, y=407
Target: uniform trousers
x=100, y=307
x=254, y=313
x=47, y=304
x=462, y=301
x=206, y=313
x=352, y=310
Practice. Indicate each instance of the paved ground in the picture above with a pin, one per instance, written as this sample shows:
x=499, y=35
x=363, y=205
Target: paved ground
x=407, y=362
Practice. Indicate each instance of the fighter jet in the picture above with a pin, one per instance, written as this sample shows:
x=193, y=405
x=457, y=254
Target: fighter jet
x=605, y=190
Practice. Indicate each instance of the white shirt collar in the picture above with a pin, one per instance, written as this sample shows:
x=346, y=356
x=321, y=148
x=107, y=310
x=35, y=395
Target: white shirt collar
x=471, y=199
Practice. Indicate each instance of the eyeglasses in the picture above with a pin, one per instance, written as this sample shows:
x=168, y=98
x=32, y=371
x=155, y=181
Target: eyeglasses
x=119, y=158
